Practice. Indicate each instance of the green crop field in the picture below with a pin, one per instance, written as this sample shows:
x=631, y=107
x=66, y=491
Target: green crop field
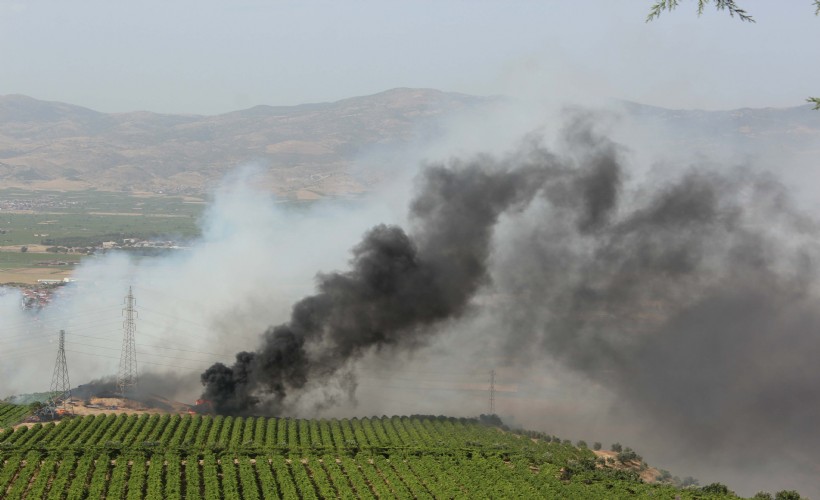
x=11, y=414
x=192, y=457
x=58, y=229
x=82, y=202
x=54, y=229
x=86, y=217
x=20, y=259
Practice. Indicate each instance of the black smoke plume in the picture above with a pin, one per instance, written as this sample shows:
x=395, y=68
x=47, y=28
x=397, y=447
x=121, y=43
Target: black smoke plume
x=399, y=284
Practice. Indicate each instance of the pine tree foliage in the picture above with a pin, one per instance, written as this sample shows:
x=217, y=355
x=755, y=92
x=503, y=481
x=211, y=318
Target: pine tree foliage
x=728, y=5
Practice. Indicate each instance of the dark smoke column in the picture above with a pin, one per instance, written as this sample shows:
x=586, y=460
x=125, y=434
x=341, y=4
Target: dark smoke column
x=398, y=284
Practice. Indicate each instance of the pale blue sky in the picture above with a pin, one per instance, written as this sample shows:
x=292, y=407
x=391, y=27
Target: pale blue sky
x=211, y=57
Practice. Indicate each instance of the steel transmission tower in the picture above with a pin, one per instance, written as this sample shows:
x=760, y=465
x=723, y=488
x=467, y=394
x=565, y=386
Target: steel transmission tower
x=60, y=386
x=492, y=392
x=127, y=375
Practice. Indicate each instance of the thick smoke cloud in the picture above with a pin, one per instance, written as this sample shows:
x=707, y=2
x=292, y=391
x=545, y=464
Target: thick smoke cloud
x=695, y=303
x=690, y=296
x=397, y=287
x=693, y=300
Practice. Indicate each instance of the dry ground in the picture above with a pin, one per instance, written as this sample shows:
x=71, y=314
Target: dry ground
x=30, y=275
x=124, y=406
x=648, y=475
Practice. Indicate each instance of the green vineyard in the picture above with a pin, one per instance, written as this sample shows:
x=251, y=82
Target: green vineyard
x=193, y=457
x=11, y=414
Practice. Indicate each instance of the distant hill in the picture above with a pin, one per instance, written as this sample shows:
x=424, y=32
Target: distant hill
x=306, y=147
x=796, y=128
x=306, y=151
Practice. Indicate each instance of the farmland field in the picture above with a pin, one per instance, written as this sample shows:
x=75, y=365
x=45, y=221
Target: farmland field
x=44, y=220
x=31, y=217
x=62, y=226
x=192, y=457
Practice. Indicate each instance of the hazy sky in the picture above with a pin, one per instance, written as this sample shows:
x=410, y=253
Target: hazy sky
x=211, y=57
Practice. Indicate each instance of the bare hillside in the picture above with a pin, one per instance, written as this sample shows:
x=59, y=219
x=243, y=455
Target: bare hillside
x=310, y=146
x=306, y=151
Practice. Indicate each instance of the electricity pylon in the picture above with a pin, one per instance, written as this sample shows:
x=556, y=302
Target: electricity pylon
x=127, y=375
x=492, y=392
x=60, y=386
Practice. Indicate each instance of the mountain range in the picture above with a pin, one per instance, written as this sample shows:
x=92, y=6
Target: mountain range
x=304, y=151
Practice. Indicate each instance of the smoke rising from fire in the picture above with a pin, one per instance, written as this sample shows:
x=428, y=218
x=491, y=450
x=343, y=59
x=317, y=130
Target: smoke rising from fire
x=689, y=296
x=398, y=285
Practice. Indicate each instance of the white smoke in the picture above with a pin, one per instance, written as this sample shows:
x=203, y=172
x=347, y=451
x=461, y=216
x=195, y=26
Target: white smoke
x=197, y=305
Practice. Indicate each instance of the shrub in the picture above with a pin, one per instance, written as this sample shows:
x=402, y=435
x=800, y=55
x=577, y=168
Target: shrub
x=689, y=481
x=581, y=444
x=664, y=475
x=491, y=420
x=627, y=455
x=716, y=488
x=586, y=463
x=596, y=446
x=616, y=447
x=787, y=495
x=565, y=474
x=763, y=495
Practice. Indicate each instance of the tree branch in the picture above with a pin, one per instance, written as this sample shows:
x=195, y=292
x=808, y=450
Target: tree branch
x=730, y=5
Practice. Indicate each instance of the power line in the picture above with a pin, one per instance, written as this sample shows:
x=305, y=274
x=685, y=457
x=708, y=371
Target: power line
x=154, y=346
x=143, y=362
x=24, y=352
x=200, y=325
x=56, y=318
x=144, y=354
x=181, y=334
x=82, y=326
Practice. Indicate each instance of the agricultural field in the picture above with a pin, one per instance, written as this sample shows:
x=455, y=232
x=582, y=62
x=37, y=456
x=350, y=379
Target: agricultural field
x=10, y=414
x=193, y=457
x=53, y=218
x=40, y=230
x=44, y=234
